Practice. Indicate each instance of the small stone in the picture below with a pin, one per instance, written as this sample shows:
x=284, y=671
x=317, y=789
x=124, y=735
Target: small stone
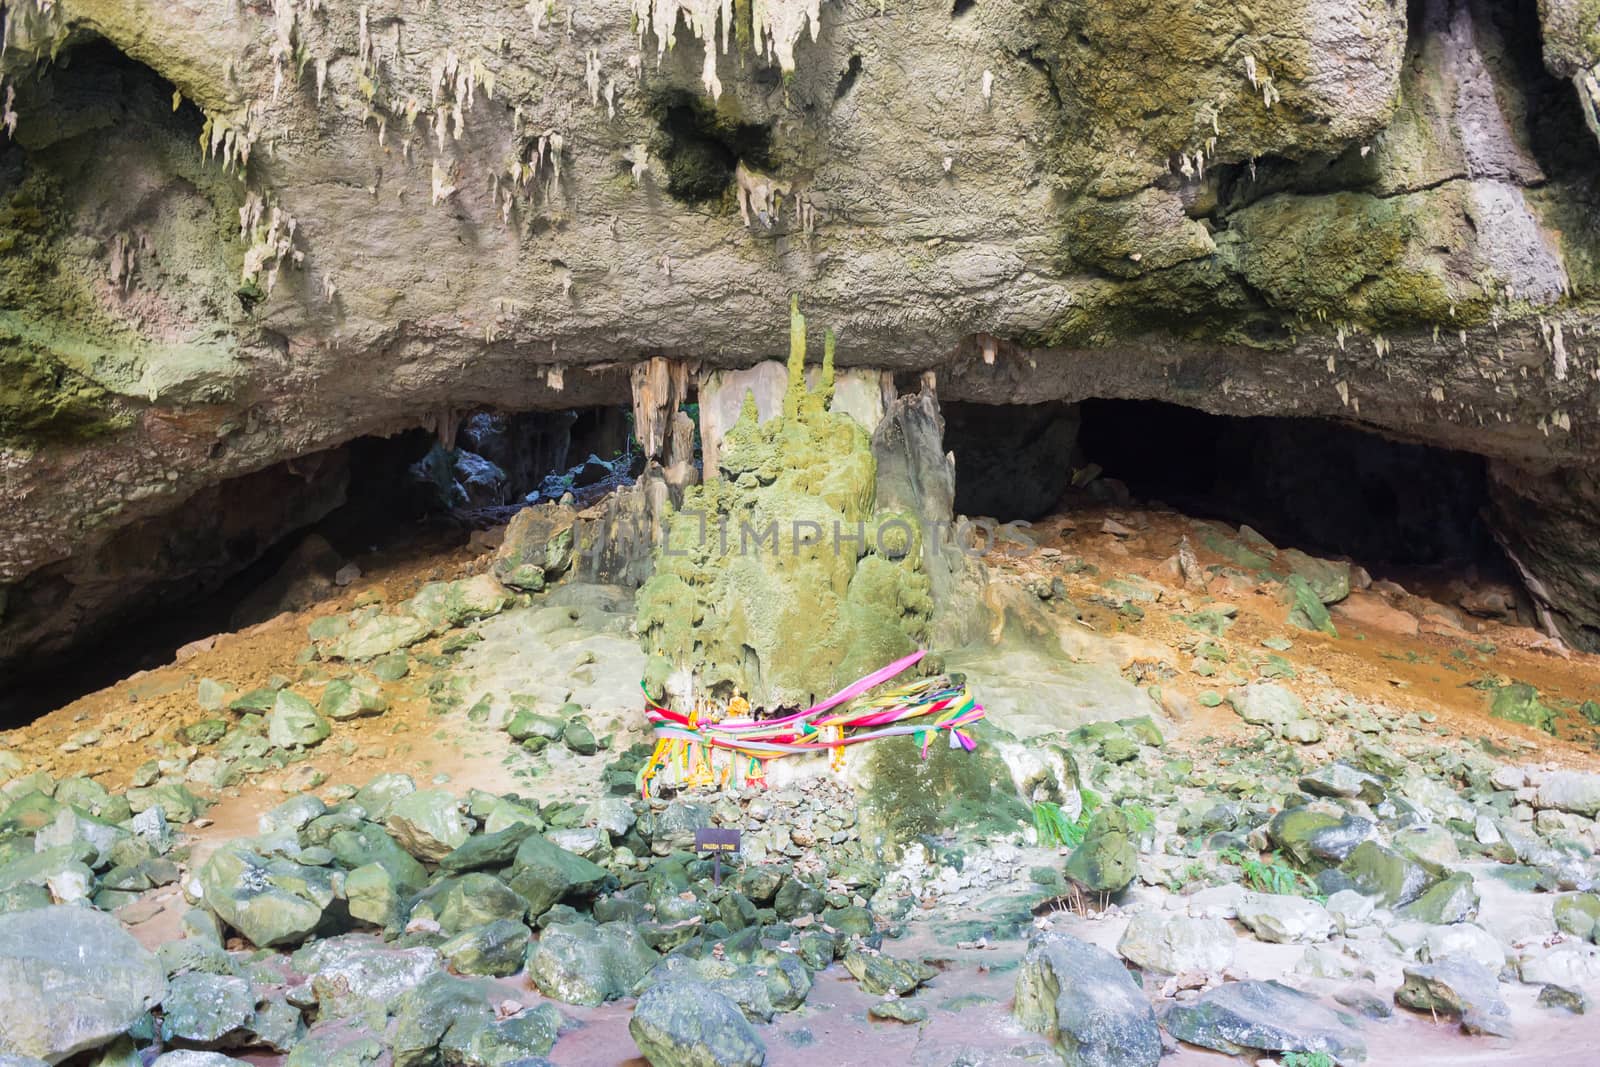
x=428, y=824
x=900, y=1011
x=1282, y=919
x=294, y=723
x=352, y=698
x=880, y=974
x=1564, y=998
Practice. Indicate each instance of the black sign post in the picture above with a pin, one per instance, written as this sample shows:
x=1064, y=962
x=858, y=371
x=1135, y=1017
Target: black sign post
x=719, y=842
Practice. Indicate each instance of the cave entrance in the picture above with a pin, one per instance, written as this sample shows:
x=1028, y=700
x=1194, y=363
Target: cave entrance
x=1323, y=487
x=283, y=538
x=1399, y=509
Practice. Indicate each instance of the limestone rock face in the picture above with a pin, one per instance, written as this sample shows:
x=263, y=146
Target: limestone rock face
x=240, y=237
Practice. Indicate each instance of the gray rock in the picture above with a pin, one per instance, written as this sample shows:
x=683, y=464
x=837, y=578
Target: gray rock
x=1268, y=1016
x=1271, y=705
x=519, y=1041
x=498, y=948
x=202, y=1009
x=380, y=794
x=488, y=850
x=378, y=636
x=190, y=1058
x=1453, y=900
x=1083, y=999
x=71, y=979
x=1176, y=944
x=1573, y=791
x=270, y=901
x=1384, y=874
x=293, y=814
x=1465, y=941
x=1283, y=919
x=1342, y=780
x=1573, y=1000
x=900, y=1011
x=1458, y=988
x=544, y=873
x=467, y=901
x=681, y=1023
x=351, y=698
x=354, y=975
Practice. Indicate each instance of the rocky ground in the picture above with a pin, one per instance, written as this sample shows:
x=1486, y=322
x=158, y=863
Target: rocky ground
x=1248, y=803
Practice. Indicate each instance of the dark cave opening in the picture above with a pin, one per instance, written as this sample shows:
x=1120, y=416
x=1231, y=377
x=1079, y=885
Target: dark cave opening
x=286, y=537
x=1320, y=486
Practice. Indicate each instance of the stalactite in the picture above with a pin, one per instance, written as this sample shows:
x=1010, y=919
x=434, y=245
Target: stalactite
x=660, y=386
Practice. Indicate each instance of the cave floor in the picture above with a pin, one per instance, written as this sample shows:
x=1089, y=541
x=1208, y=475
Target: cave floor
x=1113, y=566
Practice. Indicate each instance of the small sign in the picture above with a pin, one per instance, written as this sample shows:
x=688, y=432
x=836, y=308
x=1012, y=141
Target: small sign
x=716, y=839
x=717, y=842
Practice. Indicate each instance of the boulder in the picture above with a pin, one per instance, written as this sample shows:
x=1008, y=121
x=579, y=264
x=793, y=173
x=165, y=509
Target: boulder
x=544, y=873
x=355, y=975
x=379, y=795
x=537, y=547
x=1454, y=900
x=488, y=850
x=468, y=900
x=1271, y=705
x=519, y=1041
x=1383, y=873
x=1578, y=914
x=378, y=636
x=578, y=963
x=682, y=1023
x=1459, y=988
x=1176, y=944
x=71, y=979
x=1106, y=861
x=350, y=698
x=1238, y=1017
x=270, y=901
x=445, y=605
x=1294, y=830
x=499, y=948
x=1084, y=1001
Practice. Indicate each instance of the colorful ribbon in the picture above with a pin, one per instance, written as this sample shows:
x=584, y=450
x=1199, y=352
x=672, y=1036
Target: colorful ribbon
x=920, y=708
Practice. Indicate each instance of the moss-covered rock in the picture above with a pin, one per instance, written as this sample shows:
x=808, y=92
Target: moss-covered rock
x=777, y=580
